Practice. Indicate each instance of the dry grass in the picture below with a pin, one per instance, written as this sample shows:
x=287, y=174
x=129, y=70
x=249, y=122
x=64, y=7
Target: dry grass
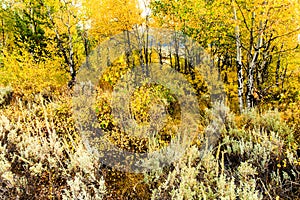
x=42, y=157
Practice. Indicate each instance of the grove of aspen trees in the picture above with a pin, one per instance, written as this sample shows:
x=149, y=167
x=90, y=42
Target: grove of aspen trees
x=150, y=99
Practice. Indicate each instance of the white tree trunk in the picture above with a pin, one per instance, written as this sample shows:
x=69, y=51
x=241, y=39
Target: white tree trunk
x=239, y=64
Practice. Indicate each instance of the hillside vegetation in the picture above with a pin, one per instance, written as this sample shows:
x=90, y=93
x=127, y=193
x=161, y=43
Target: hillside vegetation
x=196, y=99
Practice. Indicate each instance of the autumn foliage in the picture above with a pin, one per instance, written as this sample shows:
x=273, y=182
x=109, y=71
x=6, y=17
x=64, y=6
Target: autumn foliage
x=246, y=86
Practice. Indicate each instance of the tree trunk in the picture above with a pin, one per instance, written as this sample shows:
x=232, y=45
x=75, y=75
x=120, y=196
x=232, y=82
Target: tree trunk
x=69, y=59
x=278, y=64
x=86, y=46
x=160, y=56
x=239, y=65
x=170, y=55
x=147, y=48
x=128, y=50
x=140, y=48
x=177, y=61
x=252, y=65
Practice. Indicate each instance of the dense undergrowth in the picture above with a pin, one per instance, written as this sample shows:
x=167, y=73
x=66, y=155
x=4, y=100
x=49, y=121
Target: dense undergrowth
x=43, y=157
